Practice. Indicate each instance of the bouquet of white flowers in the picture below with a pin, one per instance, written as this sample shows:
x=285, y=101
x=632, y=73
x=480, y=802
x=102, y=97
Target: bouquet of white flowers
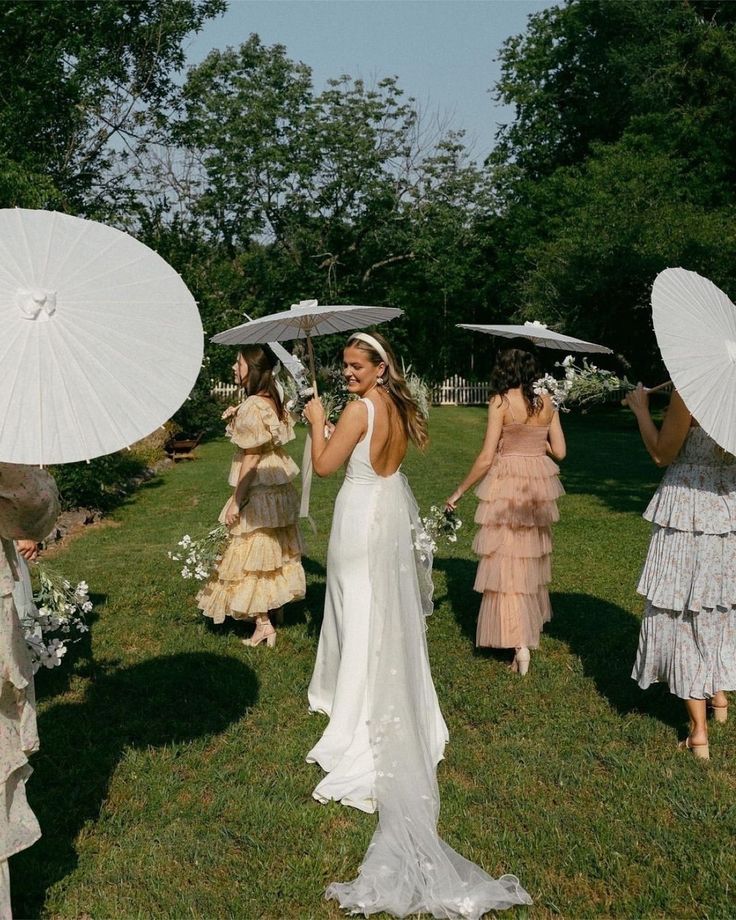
x=438, y=525
x=582, y=386
x=200, y=556
x=57, y=620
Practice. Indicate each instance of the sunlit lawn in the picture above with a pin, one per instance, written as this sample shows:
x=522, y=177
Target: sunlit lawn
x=172, y=782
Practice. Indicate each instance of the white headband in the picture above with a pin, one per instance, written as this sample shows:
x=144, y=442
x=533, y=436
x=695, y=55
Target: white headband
x=374, y=343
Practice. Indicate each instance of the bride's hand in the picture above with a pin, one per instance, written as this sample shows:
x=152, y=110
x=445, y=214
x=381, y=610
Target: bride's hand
x=314, y=412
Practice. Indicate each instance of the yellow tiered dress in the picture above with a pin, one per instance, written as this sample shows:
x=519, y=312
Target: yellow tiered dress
x=518, y=503
x=261, y=568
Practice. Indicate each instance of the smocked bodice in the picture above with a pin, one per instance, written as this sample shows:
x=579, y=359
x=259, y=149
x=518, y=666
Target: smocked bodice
x=698, y=490
x=700, y=449
x=518, y=439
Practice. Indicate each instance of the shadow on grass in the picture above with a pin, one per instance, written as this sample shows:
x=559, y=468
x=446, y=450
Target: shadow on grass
x=164, y=701
x=604, y=460
x=605, y=638
x=462, y=599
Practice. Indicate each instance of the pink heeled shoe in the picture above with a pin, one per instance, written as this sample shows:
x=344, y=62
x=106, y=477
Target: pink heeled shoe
x=263, y=633
x=520, y=664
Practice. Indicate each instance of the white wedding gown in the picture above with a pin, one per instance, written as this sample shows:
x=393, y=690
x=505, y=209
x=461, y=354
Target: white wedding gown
x=386, y=733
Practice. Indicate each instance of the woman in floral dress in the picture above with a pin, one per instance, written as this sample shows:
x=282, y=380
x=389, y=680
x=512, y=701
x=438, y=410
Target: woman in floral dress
x=29, y=505
x=688, y=634
x=261, y=568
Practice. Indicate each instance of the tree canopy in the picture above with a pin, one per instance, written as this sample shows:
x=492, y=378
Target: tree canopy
x=262, y=189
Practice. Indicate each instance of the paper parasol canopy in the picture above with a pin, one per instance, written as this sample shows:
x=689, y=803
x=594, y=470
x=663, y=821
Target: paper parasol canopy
x=101, y=340
x=695, y=325
x=304, y=320
x=540, y=335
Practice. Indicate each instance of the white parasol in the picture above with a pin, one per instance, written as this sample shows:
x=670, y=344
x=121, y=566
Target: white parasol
x=540, y=335
x=101, y=339
x=303, y=321
x=695, y=325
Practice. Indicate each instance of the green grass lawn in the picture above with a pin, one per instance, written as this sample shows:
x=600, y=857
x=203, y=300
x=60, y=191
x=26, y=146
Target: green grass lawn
x=172, y=782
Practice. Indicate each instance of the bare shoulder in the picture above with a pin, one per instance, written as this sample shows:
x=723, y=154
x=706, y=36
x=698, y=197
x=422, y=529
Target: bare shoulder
x=354, y=414
x=548, y=408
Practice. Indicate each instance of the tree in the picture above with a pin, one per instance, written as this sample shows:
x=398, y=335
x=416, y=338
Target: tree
x=620, y=162
x=79, y=82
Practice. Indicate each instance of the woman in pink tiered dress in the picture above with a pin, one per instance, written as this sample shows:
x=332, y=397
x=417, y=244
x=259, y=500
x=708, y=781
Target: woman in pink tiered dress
x=518, y=496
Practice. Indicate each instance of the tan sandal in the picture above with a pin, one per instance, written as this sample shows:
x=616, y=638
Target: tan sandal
x=700, y=751
x=720, y=713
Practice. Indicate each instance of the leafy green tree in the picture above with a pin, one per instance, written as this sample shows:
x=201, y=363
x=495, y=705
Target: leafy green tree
x=80, y=80
x=620, y=163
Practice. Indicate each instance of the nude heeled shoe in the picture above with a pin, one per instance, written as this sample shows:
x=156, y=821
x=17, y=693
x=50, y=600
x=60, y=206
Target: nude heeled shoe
x=700, y=751
x=720, y=713
x=521, y=661
x=262, y=633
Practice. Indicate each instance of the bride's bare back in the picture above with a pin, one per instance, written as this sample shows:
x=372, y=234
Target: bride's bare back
x=389, y=441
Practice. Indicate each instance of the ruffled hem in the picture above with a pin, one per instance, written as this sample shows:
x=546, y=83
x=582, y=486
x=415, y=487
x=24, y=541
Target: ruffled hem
x=266, y=509
x=512, y=620
x=693, y=653
x=18, y=827
x=252, y=594
x=260, y=551
x=514, y=512
x=689, y=571
x=513, y=474
x=274, y=468
x=521, y=542
x=521, y=576
x=699, y=499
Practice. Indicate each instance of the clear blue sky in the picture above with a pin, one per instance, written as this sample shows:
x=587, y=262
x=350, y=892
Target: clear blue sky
x=443, y=51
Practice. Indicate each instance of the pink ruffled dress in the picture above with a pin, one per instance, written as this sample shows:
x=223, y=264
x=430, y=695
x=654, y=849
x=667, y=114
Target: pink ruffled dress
x=518, y=503
x=261, y=568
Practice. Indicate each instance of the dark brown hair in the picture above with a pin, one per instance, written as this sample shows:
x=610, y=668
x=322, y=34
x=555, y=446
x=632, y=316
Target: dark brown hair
x=518, y=367
x=261, y=379
x=415, y=424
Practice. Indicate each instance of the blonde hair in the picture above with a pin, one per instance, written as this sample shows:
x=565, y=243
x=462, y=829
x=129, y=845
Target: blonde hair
x=415, y=424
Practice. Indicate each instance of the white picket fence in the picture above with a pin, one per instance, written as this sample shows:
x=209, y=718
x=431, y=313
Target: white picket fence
x=456, y=391
x=225, y=391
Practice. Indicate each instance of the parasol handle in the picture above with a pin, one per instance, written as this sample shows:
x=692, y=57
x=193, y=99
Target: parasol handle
x=660, y=386
x=313, y=372
x=307, y=470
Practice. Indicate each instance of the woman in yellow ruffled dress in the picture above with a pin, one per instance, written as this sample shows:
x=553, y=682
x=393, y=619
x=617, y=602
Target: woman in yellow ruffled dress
x=261, y=568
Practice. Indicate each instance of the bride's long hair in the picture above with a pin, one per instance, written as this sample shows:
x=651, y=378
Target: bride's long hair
x=415, y=424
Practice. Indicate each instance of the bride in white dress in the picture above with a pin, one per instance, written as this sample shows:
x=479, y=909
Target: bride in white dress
x=372, y=678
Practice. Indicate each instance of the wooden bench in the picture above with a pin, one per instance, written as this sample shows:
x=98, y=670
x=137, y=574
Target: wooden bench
x=182, y=448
